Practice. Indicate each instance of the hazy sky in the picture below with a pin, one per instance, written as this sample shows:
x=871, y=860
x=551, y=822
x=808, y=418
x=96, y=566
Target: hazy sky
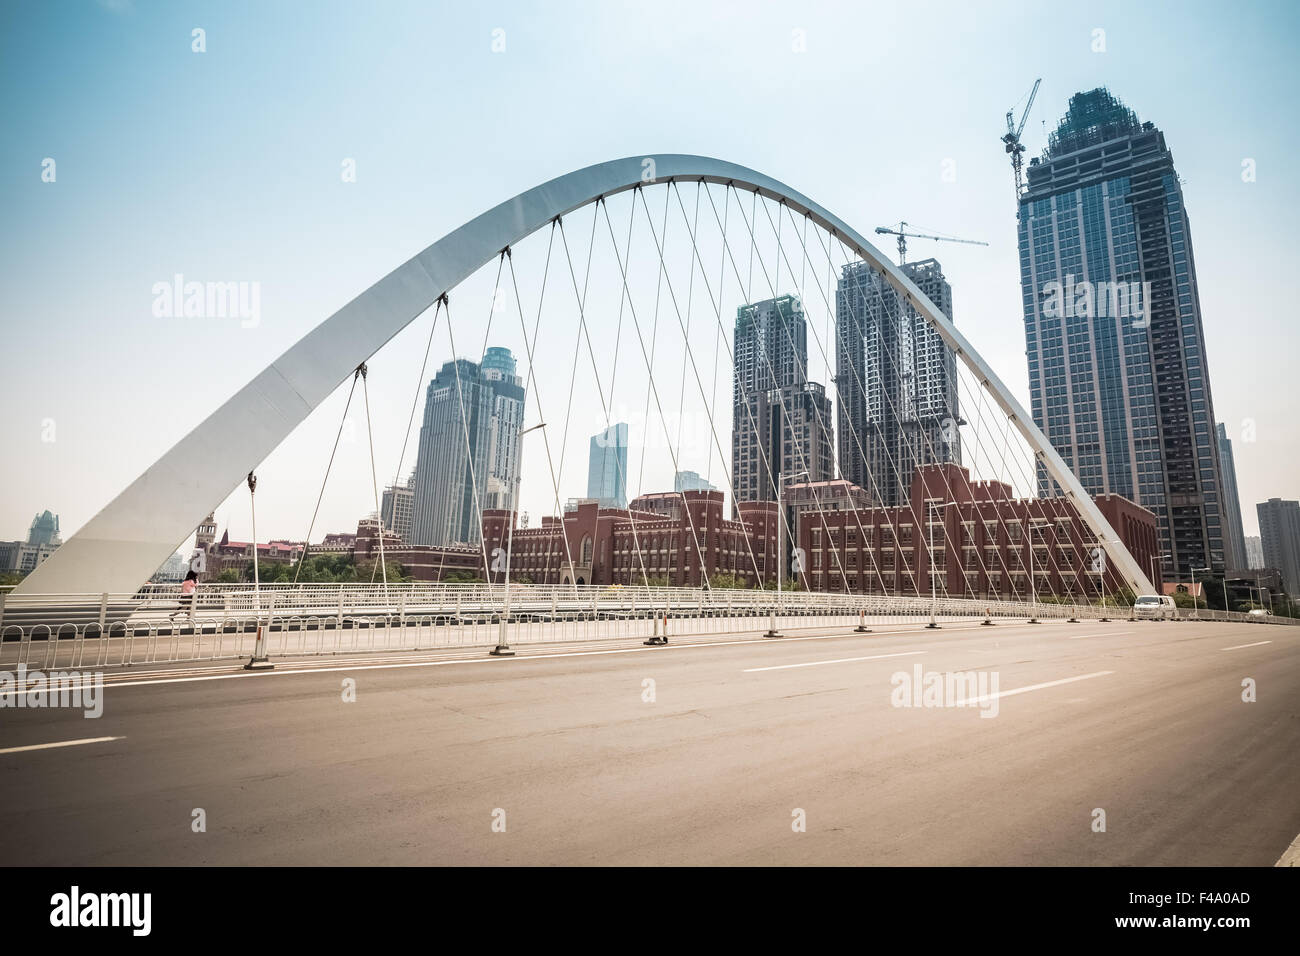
x=225, y=166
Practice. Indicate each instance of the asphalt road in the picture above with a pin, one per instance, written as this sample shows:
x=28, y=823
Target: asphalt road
x=564, y=751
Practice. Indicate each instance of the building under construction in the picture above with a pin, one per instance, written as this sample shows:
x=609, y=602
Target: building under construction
x=895, y=381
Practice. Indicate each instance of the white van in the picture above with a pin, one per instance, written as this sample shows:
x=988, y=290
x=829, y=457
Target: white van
x=1156, y=607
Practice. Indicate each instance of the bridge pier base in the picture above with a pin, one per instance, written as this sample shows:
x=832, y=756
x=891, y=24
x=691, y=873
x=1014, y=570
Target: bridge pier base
x=660, y=637
x=771, y=627
x=258, y=661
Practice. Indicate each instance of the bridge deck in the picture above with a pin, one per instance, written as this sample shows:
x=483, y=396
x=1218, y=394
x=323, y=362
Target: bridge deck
x=1143, y=720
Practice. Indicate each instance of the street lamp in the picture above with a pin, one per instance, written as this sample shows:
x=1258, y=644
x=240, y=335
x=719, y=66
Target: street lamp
x=1196, y=604
x=1153, y=575
x=781, y=526
x=1252, y=588
x=503, y=641
x=258, y=661
x=1263, y=591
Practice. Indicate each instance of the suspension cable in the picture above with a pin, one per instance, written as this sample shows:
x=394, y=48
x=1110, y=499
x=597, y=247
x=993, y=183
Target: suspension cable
x=306, y=545
x=650, y=373
x=464, y=422
x=532, y=378
x=584, y=334
x=374, y=477
x=415, y=403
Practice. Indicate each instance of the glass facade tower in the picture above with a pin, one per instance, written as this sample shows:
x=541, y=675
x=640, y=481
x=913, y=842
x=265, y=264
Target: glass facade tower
x=468, y=460
x=607, y=467
x=1117, y=365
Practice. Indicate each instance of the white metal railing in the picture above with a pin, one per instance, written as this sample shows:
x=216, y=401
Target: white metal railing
x=156, y=624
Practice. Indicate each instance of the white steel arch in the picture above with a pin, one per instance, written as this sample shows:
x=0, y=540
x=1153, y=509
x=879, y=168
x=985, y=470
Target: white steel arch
x=137, y=531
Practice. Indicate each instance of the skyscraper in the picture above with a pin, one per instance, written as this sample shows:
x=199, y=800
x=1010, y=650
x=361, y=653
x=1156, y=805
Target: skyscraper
x=1117, y=364
x=1234, y=535
x=469, y=449
x=42, y=540
x=397, y=507
x=781, y=422
x=44, y=530
x=507, y=421
x=1279, y=528
x=607, y=467
x=895, y=381
x=690, y=481
x=1254, y=552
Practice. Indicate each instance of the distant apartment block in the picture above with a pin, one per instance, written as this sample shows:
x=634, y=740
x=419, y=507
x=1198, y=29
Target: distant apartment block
x=781, y=422
x=895, y=381
x=397, y=508
x=1234, y=535
x=1254, y=553
x=1279, y=532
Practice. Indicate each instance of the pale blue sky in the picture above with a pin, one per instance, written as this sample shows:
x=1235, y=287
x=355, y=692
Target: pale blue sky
x=225, y=166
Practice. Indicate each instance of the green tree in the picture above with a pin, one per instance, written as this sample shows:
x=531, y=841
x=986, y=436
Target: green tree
x=330, y=568
x=1122, y=598
x=726, y=580
x=459, y=576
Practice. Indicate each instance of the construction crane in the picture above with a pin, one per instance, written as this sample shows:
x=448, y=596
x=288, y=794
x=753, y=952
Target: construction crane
x=1011, y=140
x=903, y=235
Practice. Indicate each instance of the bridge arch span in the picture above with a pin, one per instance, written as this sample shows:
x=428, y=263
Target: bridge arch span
x=134, y=534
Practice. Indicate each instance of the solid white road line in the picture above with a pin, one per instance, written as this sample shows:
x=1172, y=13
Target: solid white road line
x=840, y=660
x=1025, y=690
x=1237, y=647
x=61, y=743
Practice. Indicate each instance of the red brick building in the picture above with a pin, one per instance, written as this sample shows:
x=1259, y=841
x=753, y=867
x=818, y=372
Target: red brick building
x=981, y=542
x=224, y=554
x=420, y=562
x=661, y=536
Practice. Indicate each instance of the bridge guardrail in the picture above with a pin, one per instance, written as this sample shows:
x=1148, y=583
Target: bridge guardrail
x=153, y=625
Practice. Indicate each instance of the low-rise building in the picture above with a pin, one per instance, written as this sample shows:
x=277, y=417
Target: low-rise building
x=22, y=557
x=981, y=543
x=224, y=554
x=666, y=537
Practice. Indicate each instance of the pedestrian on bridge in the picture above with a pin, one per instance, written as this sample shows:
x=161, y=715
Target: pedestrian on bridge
x=189, y=589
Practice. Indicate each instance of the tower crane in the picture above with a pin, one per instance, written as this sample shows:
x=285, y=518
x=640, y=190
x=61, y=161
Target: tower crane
x=903, y=235
x=1012, y=142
